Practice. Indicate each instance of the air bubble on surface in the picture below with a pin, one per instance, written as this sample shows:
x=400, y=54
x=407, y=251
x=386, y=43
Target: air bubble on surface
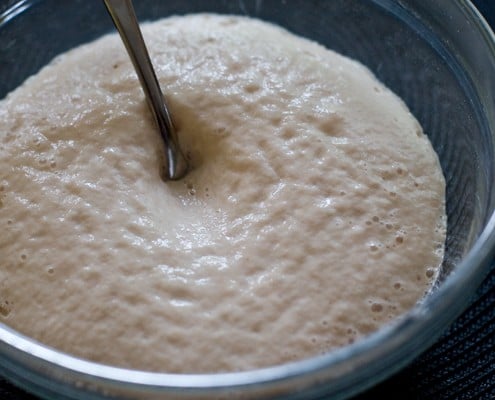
x=376, y=307
x=399, y=240
x=397, y=285
x=330, y=127
x=23, y=256
x=252, y=88
x=375, y=218
x=289, y=133
x=276, y=121
x=5, y=309
x=430, y=272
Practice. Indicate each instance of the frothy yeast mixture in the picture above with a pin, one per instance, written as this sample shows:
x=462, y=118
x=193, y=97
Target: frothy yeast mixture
x=313, y=213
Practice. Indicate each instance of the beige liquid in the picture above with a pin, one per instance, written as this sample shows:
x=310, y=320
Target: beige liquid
x=314, y=213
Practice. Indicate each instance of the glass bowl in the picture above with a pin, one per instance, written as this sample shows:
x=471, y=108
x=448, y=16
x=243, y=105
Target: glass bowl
x=438, y=56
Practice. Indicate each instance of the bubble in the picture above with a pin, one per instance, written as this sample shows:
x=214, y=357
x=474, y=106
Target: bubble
x=9, y=222
x=330, y=127
x=375, y=219
x=289, y=133
x=373, y=248
x=400, y=171
x=376, y=307
x=397, y=285
x=252, y=88
x=389, y=226
x=430, y=272
x=399, y=240
x=368, y=222
x=23, y=256
x=50, y=270
x=276, y=120
x=5, y=309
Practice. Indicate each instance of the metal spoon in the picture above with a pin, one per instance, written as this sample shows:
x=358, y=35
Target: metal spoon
x=124, y=18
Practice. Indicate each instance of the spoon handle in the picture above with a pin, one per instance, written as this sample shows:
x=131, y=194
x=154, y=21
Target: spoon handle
x=124, y=18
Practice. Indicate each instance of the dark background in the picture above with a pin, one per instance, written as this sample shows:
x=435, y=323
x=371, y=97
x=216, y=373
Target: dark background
x=461, y=365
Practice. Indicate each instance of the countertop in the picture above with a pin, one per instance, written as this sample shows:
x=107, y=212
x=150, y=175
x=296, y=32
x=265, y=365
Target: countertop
x=461, y=365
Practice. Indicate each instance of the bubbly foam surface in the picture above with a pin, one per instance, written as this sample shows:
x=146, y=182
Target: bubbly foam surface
x=313, y=215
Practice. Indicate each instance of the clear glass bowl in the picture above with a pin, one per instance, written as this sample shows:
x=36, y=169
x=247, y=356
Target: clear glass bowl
x=439, y=56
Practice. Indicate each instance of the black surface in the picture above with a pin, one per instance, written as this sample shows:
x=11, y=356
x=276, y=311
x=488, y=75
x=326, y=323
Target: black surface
x=461, y=365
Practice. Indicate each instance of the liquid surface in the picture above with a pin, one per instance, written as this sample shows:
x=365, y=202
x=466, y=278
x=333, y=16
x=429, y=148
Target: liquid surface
x=313, y=215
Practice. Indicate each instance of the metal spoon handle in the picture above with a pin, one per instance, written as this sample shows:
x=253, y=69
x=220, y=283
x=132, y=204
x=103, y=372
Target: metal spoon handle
x=124, y=18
